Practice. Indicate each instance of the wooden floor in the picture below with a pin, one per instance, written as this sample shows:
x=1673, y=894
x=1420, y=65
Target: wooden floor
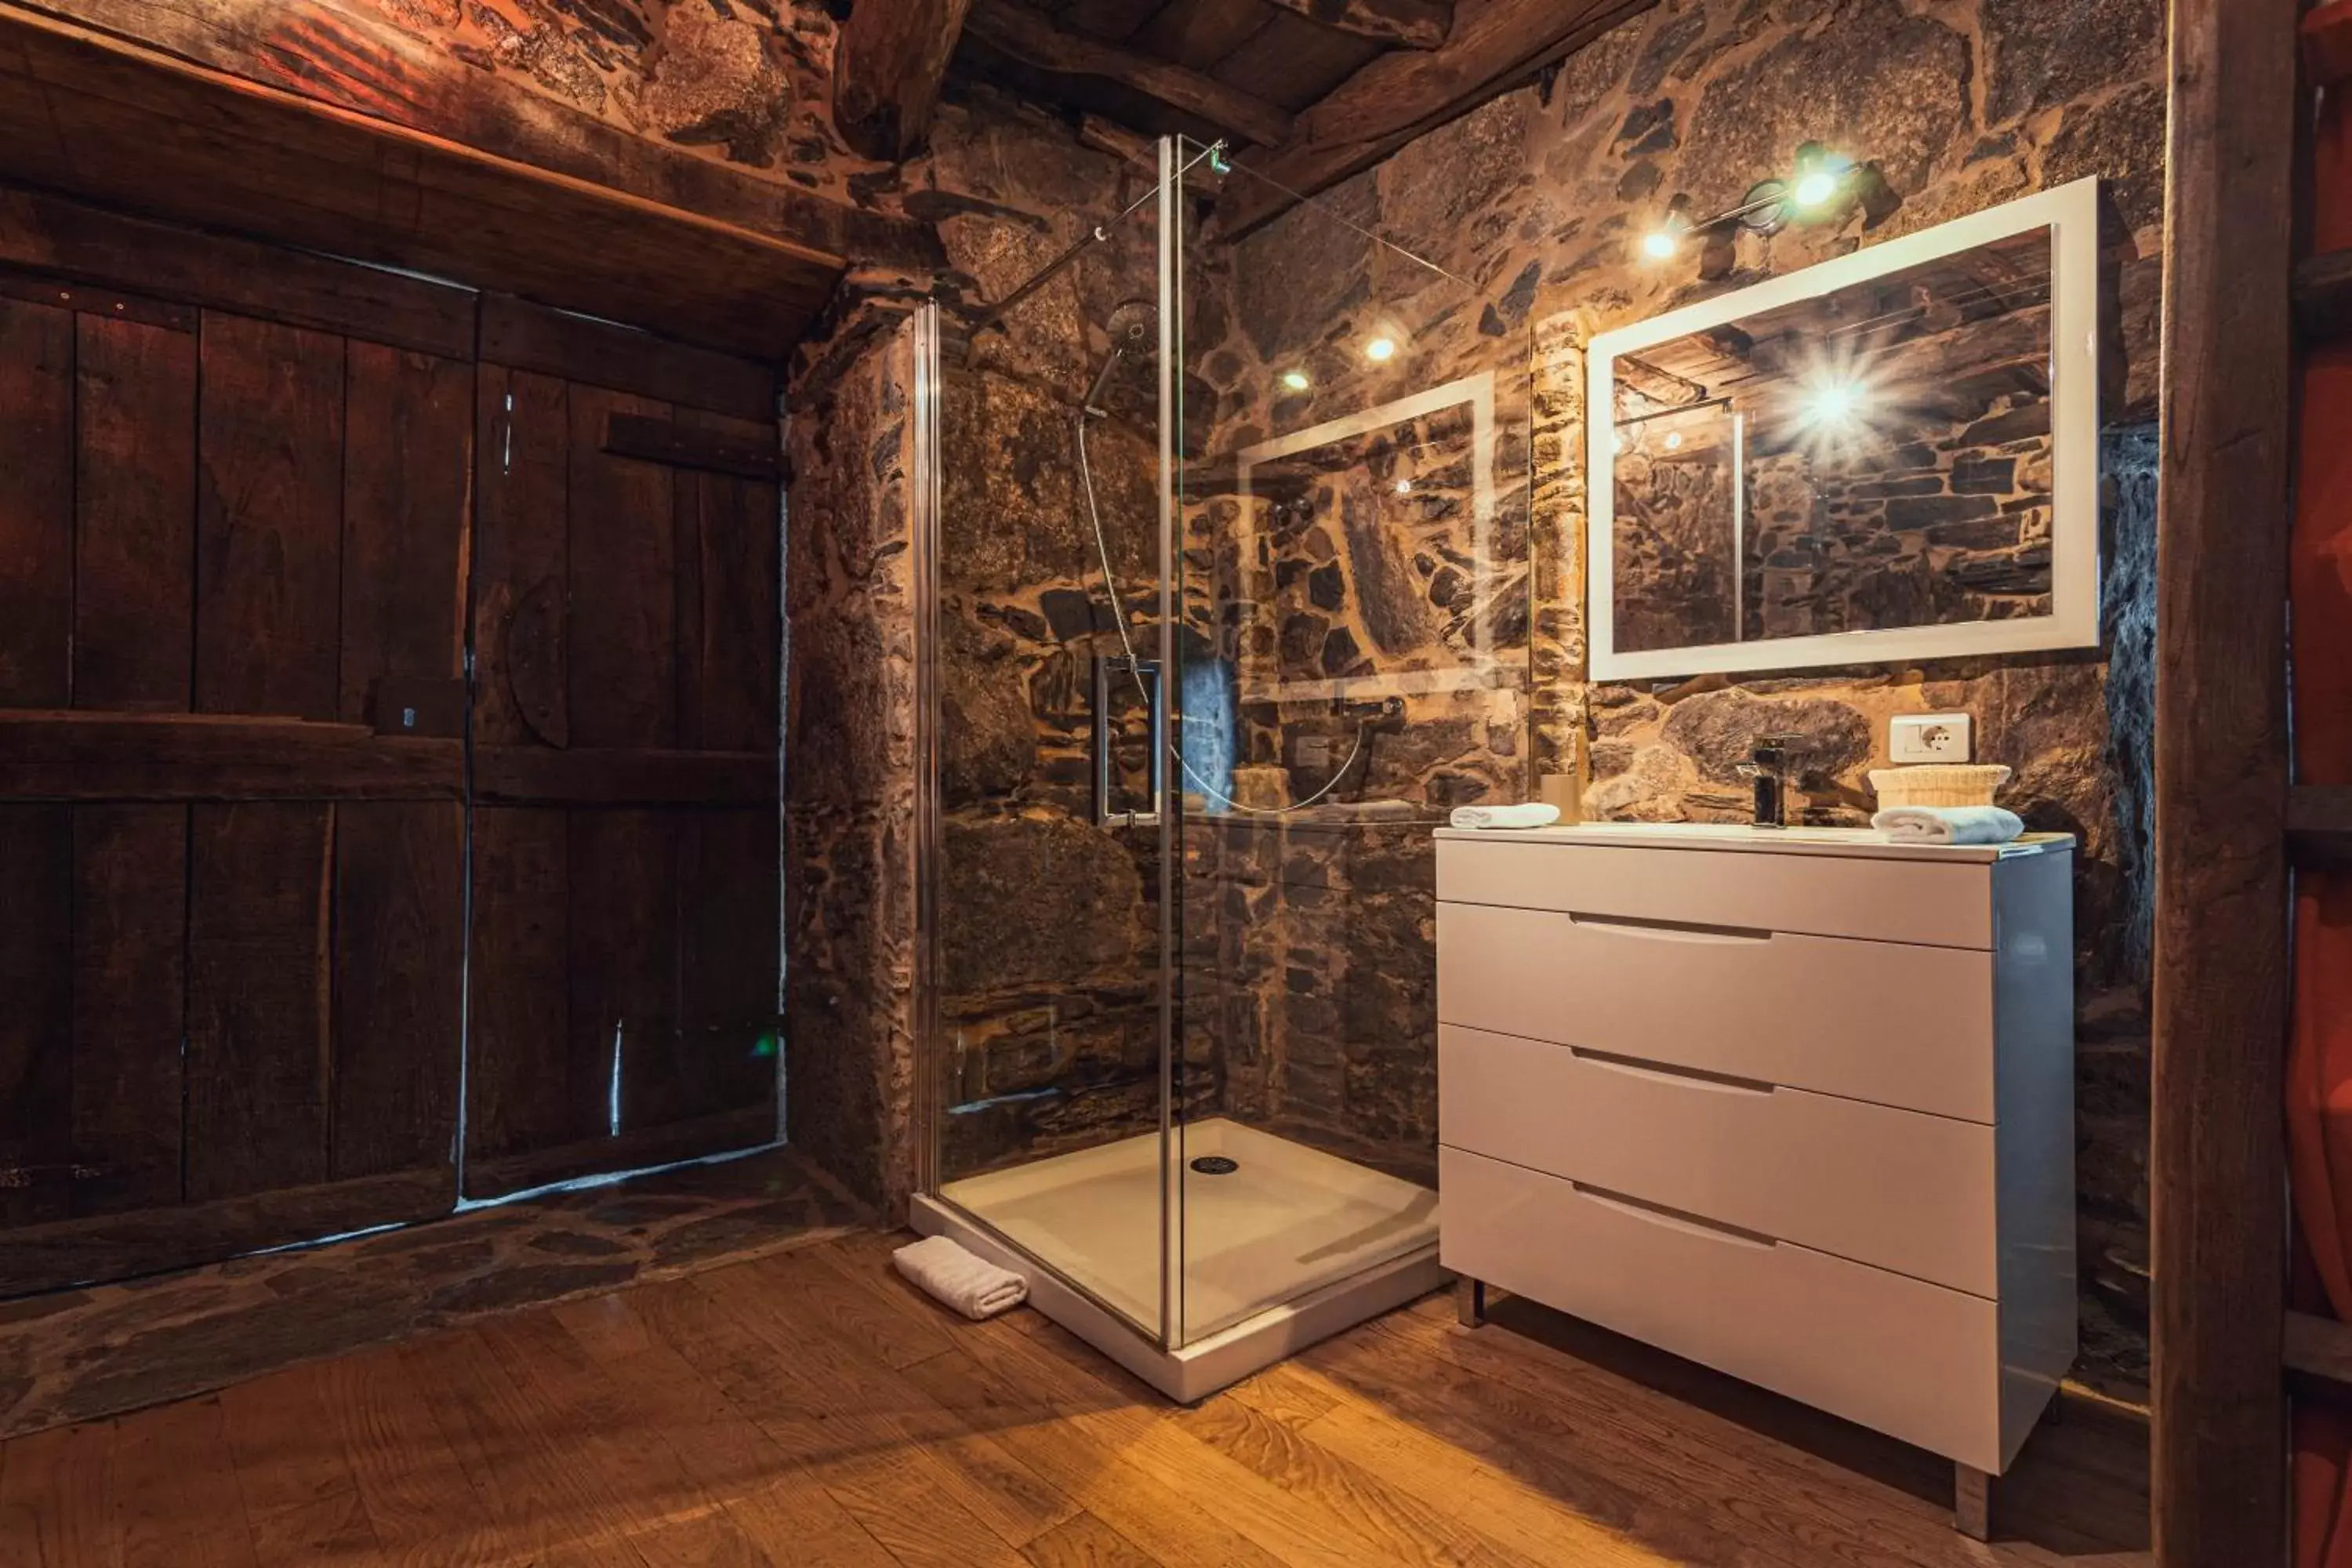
x=808, y=1409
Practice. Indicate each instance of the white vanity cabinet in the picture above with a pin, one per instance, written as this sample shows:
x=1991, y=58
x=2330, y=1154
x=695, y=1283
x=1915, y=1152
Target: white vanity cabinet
x=1798, y=1105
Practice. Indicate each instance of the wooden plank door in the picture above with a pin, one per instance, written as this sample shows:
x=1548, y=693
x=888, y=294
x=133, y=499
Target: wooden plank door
x=232, y=932
x=626, y=879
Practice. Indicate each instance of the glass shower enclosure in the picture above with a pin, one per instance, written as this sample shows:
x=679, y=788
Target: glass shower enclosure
x=1222, y=594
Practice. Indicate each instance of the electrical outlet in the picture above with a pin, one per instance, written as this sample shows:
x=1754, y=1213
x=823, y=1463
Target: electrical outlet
x=1929, y=738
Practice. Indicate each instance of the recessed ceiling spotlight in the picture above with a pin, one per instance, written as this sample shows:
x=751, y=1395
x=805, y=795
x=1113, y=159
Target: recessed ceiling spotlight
x=1674, y=442
x=1381, y=350
x=1294, y=379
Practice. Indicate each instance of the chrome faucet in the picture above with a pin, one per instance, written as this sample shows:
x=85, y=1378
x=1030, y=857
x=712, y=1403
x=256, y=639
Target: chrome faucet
x=1767, y=771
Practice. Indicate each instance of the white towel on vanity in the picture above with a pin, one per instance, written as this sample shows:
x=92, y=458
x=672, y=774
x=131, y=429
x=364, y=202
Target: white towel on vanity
x=971, y=1284
x=1949, y=824
x=1535, y=814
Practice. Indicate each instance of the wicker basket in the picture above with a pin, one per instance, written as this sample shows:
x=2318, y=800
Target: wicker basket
x=1938, y=784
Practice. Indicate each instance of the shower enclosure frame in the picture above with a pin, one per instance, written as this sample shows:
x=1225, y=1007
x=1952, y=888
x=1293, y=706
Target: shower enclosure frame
x=1184, y=1372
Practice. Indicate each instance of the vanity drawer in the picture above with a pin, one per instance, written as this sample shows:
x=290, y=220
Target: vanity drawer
x=1887, y=1187
x=1895, y=1353
x=1943, y=903
x=1876, y=1021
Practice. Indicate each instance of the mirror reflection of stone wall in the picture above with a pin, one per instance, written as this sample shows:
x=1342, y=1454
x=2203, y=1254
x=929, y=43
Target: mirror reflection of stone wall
x=1892, y=447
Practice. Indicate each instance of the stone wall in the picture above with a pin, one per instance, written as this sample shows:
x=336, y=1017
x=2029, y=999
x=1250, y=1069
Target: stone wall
x=1531, y=208
x=849, y=751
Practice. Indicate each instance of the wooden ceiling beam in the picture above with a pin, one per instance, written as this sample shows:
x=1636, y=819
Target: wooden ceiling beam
x=887, y=66
x=1027, y=36
x=89, y=112
x=1413, y=24
x=337, y=54
x=1398, y=95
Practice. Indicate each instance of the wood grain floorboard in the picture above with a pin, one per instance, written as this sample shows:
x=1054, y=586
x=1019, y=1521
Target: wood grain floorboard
x=649, y=1497
x=913, y=1507
x=542, y=1503
x=813, y=1411
x=302, y=1503
x=891, y=1415
x=176, y=1501
x=422, y=1508
x=1082, y=1541
x=57, y=1496
x=773, y=1499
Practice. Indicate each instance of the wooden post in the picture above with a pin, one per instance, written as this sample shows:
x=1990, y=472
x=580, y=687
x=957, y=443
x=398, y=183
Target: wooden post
x=887, y=68
x=2216, y=1167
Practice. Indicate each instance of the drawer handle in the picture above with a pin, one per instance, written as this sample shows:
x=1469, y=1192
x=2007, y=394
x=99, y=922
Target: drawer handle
x=1675, y=1219
x=1671, y=931
x=1689, y=1077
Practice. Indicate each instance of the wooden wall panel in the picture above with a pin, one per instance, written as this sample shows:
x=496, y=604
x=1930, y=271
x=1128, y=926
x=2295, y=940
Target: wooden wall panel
x=623, y=957
x=405, y=473
x=519, y=1062
x=604, y=354
x=269, y=519
x=134, y=535
x=61, y=238
x=730, y=893
x=520, y=545
x=258, y=1030
x=621, y=640
x=730, y=633
x=36, y=1012
x=398, y=985
x=36, y=344
x=130, y=936
x=234, y=949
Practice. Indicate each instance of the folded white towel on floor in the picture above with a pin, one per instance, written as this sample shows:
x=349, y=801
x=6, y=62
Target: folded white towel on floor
x=1949, y=824
x=1533, y=814
x=971, y=1284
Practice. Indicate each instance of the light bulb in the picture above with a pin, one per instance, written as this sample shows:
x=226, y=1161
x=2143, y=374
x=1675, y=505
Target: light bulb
x=1404, y=487
x=1815, y=188
x=1379, y=349
x=1294, y=379
x=1660, y=243
x=1834, y=403
x=1673, y=440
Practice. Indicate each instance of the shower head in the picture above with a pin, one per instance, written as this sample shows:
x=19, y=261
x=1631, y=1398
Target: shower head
x=1130, y=329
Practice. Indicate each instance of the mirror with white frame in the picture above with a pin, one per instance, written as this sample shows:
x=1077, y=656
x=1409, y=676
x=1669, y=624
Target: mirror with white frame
x=1891, y=456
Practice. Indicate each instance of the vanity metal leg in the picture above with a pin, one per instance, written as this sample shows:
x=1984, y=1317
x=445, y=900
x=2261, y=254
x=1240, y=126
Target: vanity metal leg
x=1470, y=1301
x=1972, y=1502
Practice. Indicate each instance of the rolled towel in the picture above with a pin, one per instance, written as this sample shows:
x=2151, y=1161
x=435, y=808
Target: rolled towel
x=1947, y=824
x=1535, y=814
x=971, y=1284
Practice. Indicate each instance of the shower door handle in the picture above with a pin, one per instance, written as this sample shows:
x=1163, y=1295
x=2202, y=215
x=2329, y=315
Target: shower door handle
x=1144, y=672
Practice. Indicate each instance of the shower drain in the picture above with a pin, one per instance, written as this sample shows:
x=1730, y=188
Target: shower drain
x=1215, y=1166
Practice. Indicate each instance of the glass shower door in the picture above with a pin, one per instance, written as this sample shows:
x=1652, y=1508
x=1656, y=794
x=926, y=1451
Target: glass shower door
x=1044, y=1076
x=1349, y=588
